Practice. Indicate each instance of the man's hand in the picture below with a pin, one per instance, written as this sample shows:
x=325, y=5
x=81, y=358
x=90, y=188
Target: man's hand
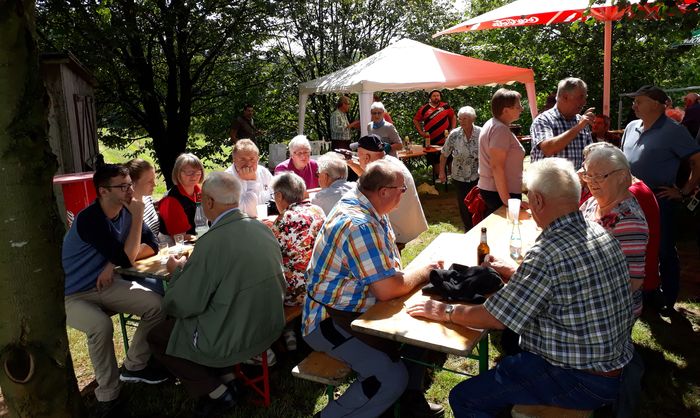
x=106, y=277
x=135, y=207
x=429, y=309
x=502, y=267
x=174, y=262
x=588, y=117
x=247, y=173
x=670, y=193
x=354, y=124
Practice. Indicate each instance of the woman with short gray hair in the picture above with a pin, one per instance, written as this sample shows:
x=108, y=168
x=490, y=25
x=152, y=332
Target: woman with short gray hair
x=606, y=172
x=300, y=162
x=462, y=145
x=295, y=228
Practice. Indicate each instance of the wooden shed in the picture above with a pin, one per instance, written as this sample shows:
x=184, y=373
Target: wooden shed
x=72, y=118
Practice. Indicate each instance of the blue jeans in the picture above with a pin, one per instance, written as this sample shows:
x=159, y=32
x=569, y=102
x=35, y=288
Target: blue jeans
x=528, y=379
x=669, y=265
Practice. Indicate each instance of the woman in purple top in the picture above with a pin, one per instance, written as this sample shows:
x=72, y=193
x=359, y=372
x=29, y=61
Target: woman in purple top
x=300, y=162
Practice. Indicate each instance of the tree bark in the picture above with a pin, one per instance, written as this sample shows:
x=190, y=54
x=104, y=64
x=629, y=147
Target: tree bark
x=36, y=370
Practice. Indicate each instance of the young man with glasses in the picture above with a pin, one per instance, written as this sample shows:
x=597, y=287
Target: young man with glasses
x=108, y=233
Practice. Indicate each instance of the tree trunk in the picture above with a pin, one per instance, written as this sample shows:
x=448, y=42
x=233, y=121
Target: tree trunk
x=36, y=370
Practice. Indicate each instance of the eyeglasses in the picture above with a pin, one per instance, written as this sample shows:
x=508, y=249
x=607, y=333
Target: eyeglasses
x=192, y=173
x=377, y=113
x=301, y=153
x=123, y=187
x=402, y=188
x=598, y=178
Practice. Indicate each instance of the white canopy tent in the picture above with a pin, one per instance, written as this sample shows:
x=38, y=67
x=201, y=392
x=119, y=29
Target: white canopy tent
x=408, y=66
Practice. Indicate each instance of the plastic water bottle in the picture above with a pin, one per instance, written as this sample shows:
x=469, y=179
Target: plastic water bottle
x=201, y=225
x=516, y=244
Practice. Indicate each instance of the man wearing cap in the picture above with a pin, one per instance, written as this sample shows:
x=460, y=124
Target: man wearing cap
x=561, y=131
x=691, y=119
x=385, y=130
x=437, y=119
x=655, y=146
x=408, y=219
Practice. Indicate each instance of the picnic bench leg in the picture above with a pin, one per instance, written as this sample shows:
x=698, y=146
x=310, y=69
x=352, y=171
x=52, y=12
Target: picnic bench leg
x=484, y=354
x=125, y=336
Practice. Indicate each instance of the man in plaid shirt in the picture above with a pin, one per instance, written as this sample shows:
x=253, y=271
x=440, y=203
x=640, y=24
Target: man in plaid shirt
x=561, y=131
x=569, y=300
x=355, y=263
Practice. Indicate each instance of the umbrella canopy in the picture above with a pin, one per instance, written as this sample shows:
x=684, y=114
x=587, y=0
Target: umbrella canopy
x=409, y=65
x=546, y=12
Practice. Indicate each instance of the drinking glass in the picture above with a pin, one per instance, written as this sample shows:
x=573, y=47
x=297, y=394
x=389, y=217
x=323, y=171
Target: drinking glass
x=163, y=252
x=179, y=241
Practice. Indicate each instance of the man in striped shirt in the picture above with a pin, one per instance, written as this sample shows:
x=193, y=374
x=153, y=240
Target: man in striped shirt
x=355, y=263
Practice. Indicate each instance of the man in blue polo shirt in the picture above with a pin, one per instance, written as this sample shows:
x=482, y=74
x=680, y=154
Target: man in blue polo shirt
x=655, y=146
x=108, y=233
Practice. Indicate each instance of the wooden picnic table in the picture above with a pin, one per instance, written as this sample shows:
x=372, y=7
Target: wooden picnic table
x=151, y=266
x=407, y=154
x=389, y=319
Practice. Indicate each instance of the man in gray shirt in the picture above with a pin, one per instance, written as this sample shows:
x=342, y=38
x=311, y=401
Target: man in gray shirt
x=333, y=179
x=385, y=130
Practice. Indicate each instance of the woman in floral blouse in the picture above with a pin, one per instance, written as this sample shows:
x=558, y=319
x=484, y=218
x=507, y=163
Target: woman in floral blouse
x=463, y=145
x=295, y=228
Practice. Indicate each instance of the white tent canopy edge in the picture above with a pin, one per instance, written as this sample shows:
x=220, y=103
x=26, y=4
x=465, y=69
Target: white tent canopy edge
x=411, y=66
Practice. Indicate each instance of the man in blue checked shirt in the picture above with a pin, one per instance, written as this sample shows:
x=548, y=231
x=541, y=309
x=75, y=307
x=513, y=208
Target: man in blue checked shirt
x=569, y=301
x=561, y=131
x=355, y=263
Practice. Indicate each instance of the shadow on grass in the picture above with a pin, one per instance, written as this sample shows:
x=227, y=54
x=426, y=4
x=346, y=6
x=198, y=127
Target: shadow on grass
x=672, y=376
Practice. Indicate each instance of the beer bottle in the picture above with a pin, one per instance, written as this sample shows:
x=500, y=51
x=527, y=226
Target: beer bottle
x=483, y=249
x=427, y=140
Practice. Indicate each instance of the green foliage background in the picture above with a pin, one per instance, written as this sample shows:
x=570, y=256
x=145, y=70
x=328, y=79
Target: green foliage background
x=259, y=51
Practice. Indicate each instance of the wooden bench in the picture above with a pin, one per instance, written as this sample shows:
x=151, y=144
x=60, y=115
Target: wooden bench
x=546, y=411
x=291, y=313
x=321, y=368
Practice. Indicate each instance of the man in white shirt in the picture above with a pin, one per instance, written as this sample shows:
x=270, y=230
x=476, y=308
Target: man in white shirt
x=333, y=179
x=255, y=179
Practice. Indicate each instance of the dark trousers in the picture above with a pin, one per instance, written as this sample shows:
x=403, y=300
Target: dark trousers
x=493, y=200
x=669, y=264
x=198, y=379
x=463, y=190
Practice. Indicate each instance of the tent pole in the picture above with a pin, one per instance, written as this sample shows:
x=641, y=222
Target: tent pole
x=531, y=98
x=365, y=98
x=607, y=51
x=303, y=97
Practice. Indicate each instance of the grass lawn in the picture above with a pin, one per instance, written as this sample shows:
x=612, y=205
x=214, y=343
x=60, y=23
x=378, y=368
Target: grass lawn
x=671, y=385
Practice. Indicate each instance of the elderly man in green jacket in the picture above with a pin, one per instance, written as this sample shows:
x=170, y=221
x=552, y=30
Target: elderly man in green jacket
x=224, y=304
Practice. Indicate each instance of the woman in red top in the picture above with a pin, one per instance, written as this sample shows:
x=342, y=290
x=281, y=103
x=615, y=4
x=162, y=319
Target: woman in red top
x=179, y=205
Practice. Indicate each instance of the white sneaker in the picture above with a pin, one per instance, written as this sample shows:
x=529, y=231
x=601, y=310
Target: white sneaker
x=257, y=360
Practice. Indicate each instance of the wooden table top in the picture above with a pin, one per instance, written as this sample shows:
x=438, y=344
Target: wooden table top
x=407, y=153
x=150, y=267
x=388, y=319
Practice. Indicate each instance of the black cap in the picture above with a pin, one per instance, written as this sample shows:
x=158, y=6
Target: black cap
x=653, y=93
x=370, y=142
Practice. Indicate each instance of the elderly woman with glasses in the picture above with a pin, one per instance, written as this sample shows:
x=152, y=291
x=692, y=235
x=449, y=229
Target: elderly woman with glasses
x=300, y=162
x=462, y=145
x=179, y=205
x=606, y=173
x=385, y=130
x=295, y=228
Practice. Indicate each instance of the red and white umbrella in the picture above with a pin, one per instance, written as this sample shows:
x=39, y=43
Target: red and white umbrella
x=547, y=12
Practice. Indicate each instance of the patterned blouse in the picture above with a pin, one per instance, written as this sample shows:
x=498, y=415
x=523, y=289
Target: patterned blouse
x=626, y=222
x=465, y=154
x=296, y=231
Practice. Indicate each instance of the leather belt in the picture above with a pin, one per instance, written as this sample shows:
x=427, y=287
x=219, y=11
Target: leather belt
x=611, y=373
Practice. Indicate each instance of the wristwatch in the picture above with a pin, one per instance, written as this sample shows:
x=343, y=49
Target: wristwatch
x=448, y=310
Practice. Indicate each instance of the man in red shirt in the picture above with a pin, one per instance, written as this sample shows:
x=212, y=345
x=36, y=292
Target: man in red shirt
x=436, y=117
